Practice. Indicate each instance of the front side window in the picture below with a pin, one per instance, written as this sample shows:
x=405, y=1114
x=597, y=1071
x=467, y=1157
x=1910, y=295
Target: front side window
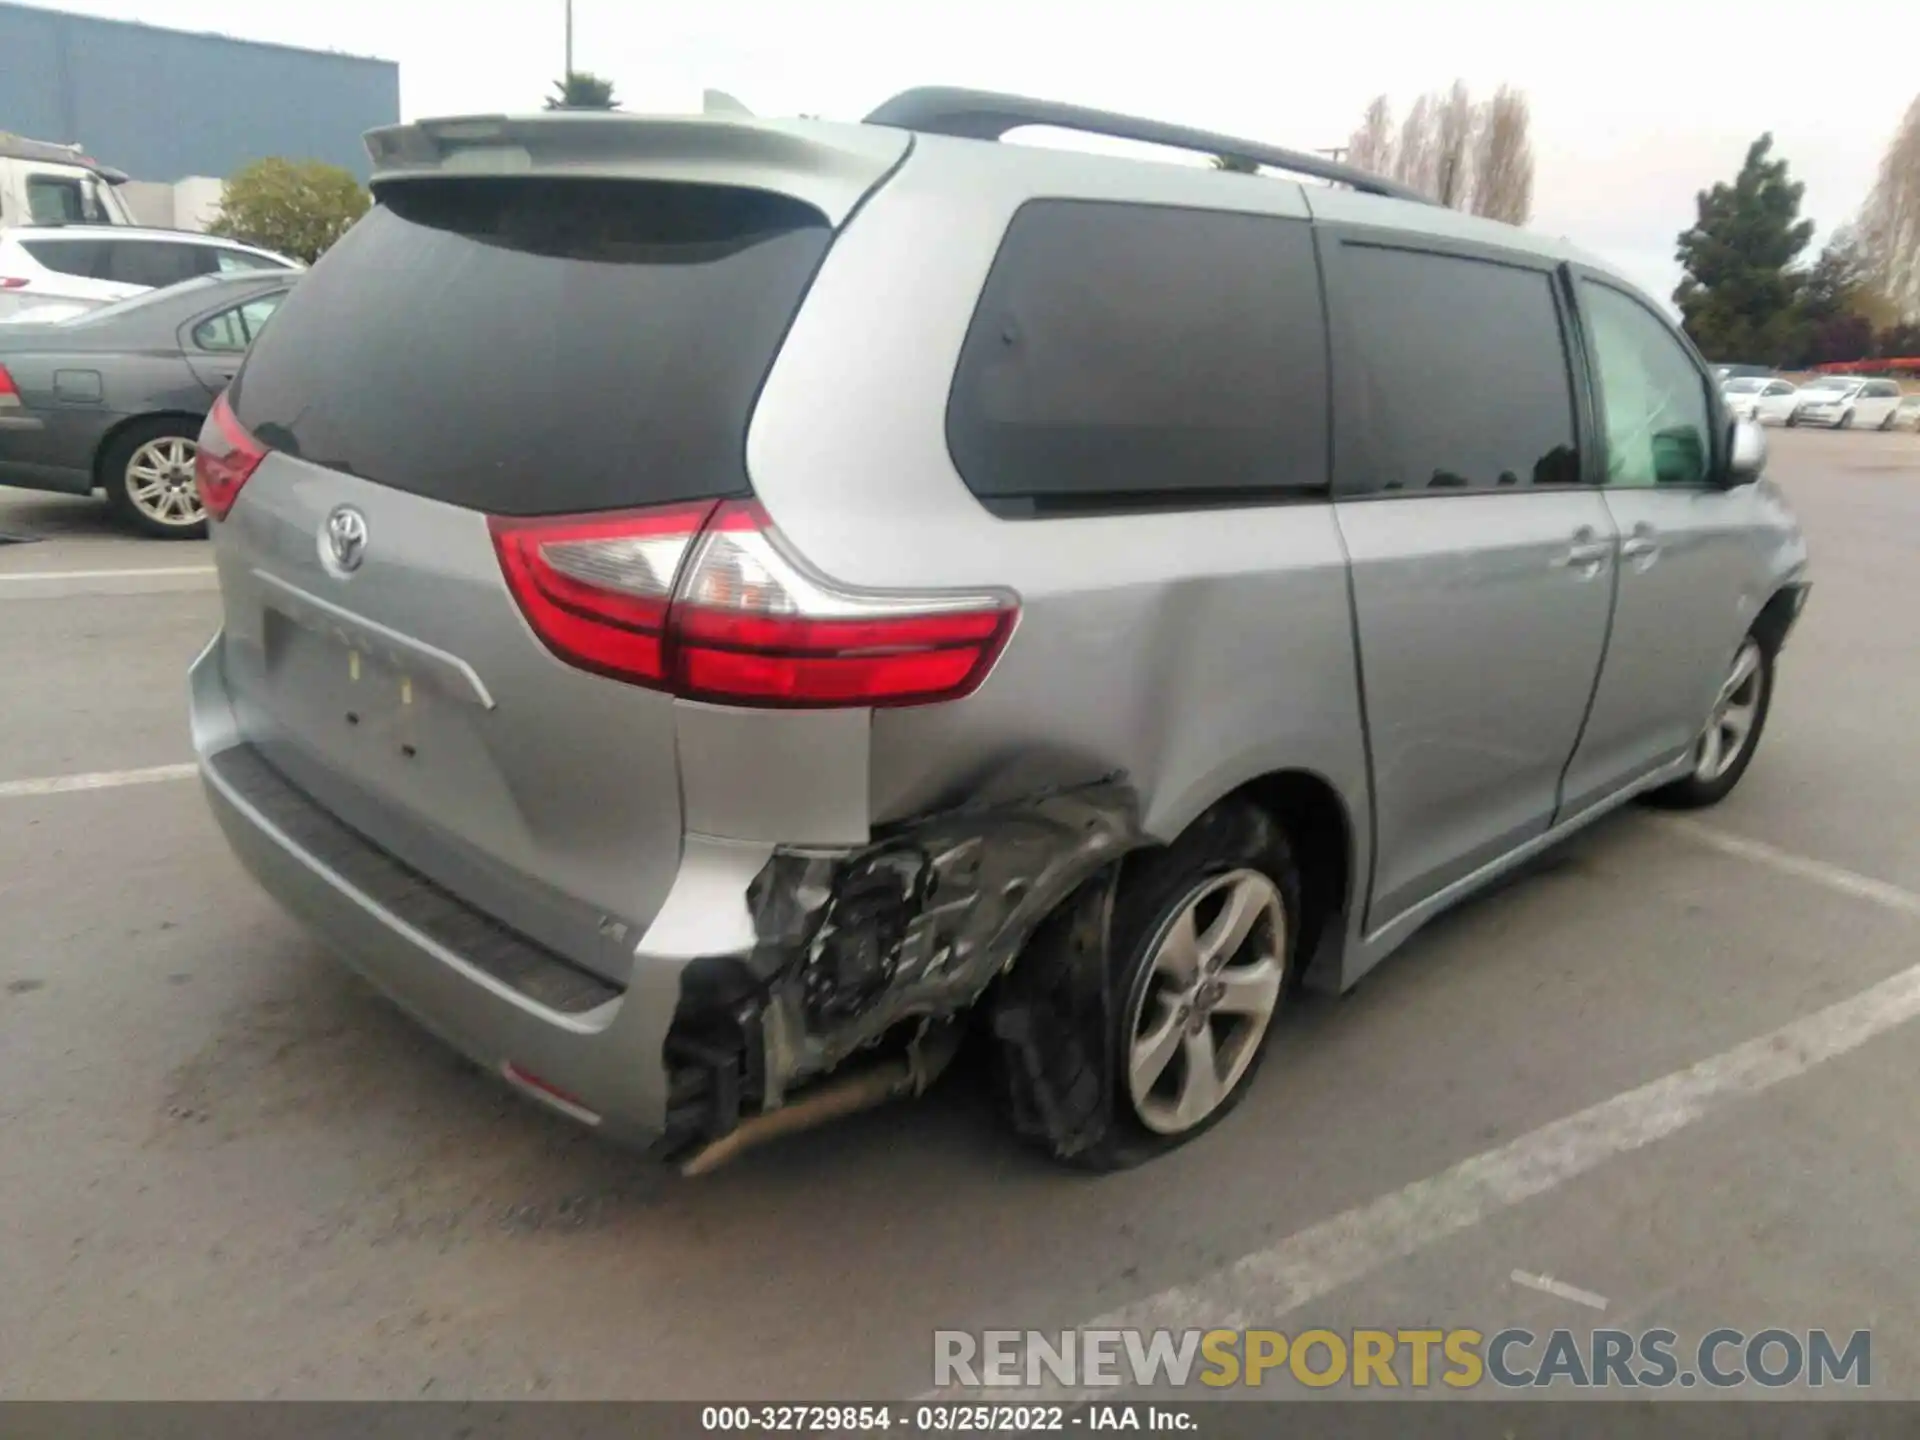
x=63, y=200
x=1131, y=355
x=1453, y=374
x=1653, y=401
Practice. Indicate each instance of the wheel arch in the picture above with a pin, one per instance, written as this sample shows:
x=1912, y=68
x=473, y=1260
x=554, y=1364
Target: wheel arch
x=1776, y=618
x=1319, y=822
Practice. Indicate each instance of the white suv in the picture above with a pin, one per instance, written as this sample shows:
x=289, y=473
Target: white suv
x=48, y=272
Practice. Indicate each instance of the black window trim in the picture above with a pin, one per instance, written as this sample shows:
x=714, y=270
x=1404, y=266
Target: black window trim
x=1335, y=236
x=1089, y=504
x=1719, y=419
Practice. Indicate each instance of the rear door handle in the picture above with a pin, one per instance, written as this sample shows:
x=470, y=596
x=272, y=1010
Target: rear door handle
x=1640, y=545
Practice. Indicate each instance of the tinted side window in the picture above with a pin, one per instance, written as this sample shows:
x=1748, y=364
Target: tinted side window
x=1453, y=374
x=85, y=258
x=1653, y=399
x=1127, y=354
x=151, y=262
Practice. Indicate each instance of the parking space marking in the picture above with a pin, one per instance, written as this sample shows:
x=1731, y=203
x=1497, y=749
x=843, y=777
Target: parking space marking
x=1261, y=1287
x=98, y=780
x=143, y=572
x=1547, y=1285
x=1834, y=877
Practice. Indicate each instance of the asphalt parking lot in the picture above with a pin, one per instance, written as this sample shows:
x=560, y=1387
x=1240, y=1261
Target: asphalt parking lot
x=228, y=1170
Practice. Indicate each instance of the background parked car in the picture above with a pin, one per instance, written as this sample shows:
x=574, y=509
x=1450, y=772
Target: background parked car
x=1843, y=401
x=1766, y=399
x=80, y=267
x=1741, y=372
x=114, y=398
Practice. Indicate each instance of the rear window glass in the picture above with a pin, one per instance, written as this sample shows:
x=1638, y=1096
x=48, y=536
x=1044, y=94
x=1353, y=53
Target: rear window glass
x=1126, y=355
x=533, y=347
x=85, y=258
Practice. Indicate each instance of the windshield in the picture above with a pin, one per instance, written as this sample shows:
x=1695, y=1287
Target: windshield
x=1745, y=386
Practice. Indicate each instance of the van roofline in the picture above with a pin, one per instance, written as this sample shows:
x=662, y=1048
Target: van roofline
x=989, y=115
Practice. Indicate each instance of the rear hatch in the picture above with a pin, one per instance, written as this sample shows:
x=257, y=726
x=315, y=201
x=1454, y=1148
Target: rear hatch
x=494, y=346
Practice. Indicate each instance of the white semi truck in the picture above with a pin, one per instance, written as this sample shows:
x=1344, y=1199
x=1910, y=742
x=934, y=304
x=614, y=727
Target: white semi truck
x=47, y=184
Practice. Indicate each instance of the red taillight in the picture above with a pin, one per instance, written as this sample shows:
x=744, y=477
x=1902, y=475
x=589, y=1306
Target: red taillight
x=228, y=454
x=596, y=589
x=709, y=602
x=14, y=282
x=9, y=392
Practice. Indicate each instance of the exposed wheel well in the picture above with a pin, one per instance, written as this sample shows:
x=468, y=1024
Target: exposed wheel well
x=108, y=440
x=1311, y=812
x=1776, y=618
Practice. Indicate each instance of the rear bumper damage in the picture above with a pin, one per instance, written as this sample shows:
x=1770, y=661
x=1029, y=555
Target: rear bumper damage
x=876, y=954
x=774, y=988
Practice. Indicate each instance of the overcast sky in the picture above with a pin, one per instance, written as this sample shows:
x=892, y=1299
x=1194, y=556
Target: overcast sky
x=1636, y=106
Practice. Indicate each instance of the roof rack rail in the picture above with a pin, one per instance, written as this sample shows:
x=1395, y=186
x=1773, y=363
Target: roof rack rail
x=984, y=115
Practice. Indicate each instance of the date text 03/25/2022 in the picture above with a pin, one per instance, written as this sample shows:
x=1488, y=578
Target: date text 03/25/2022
x=941, y=1418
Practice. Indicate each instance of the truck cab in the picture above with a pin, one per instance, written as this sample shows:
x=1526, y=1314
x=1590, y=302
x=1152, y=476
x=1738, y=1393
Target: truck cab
x=47, y=184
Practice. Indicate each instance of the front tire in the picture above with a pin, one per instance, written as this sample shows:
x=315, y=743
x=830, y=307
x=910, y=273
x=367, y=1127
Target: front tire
x=147, y=472
x=1731, y=735
x=1845, y=422
x=1202, y=952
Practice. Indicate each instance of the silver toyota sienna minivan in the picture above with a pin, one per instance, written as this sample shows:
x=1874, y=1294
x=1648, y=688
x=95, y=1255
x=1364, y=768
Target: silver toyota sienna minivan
x=717, y=610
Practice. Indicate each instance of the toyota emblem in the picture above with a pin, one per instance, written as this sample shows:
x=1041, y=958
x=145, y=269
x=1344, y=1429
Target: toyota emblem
x=343, y=543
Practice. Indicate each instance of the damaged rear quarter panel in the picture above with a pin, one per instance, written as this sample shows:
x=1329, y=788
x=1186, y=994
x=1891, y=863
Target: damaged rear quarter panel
x=919, y=923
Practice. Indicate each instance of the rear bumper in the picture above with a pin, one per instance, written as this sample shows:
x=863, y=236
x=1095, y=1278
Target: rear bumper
x=591, y=1050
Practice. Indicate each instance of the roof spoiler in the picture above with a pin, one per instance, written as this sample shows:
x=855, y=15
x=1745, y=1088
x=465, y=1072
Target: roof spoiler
x=830, y=167
x=984, y=115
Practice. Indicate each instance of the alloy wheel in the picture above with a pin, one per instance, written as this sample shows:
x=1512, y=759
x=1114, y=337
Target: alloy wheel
x=159, y=482
x=1211, y=989
x=1735, y=712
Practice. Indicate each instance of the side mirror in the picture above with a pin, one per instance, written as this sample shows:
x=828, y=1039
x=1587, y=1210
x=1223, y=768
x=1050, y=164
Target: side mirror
x=1746, y=453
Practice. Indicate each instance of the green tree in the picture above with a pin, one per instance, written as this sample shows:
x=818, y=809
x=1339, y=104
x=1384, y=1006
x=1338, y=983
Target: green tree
x=581, y=90
x=1739, y=297
x=297, y=207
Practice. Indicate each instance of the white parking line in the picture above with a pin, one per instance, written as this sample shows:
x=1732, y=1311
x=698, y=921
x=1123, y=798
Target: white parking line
x=98, y=780
x=21, y=576
x=1860, y=887
x=1547, y=1285
x=1259, y=1288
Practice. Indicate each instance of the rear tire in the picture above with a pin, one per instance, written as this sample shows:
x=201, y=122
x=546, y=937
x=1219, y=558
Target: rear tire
x=147, y=472
x=1793, y=418
x=1221, y=907
x=1886, y=424
x=1732, y=733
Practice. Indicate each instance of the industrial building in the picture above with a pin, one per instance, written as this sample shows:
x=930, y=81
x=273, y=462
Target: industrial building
x=171, y=106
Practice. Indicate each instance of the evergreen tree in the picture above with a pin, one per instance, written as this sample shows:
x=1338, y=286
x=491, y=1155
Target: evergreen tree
x=1739, y=296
